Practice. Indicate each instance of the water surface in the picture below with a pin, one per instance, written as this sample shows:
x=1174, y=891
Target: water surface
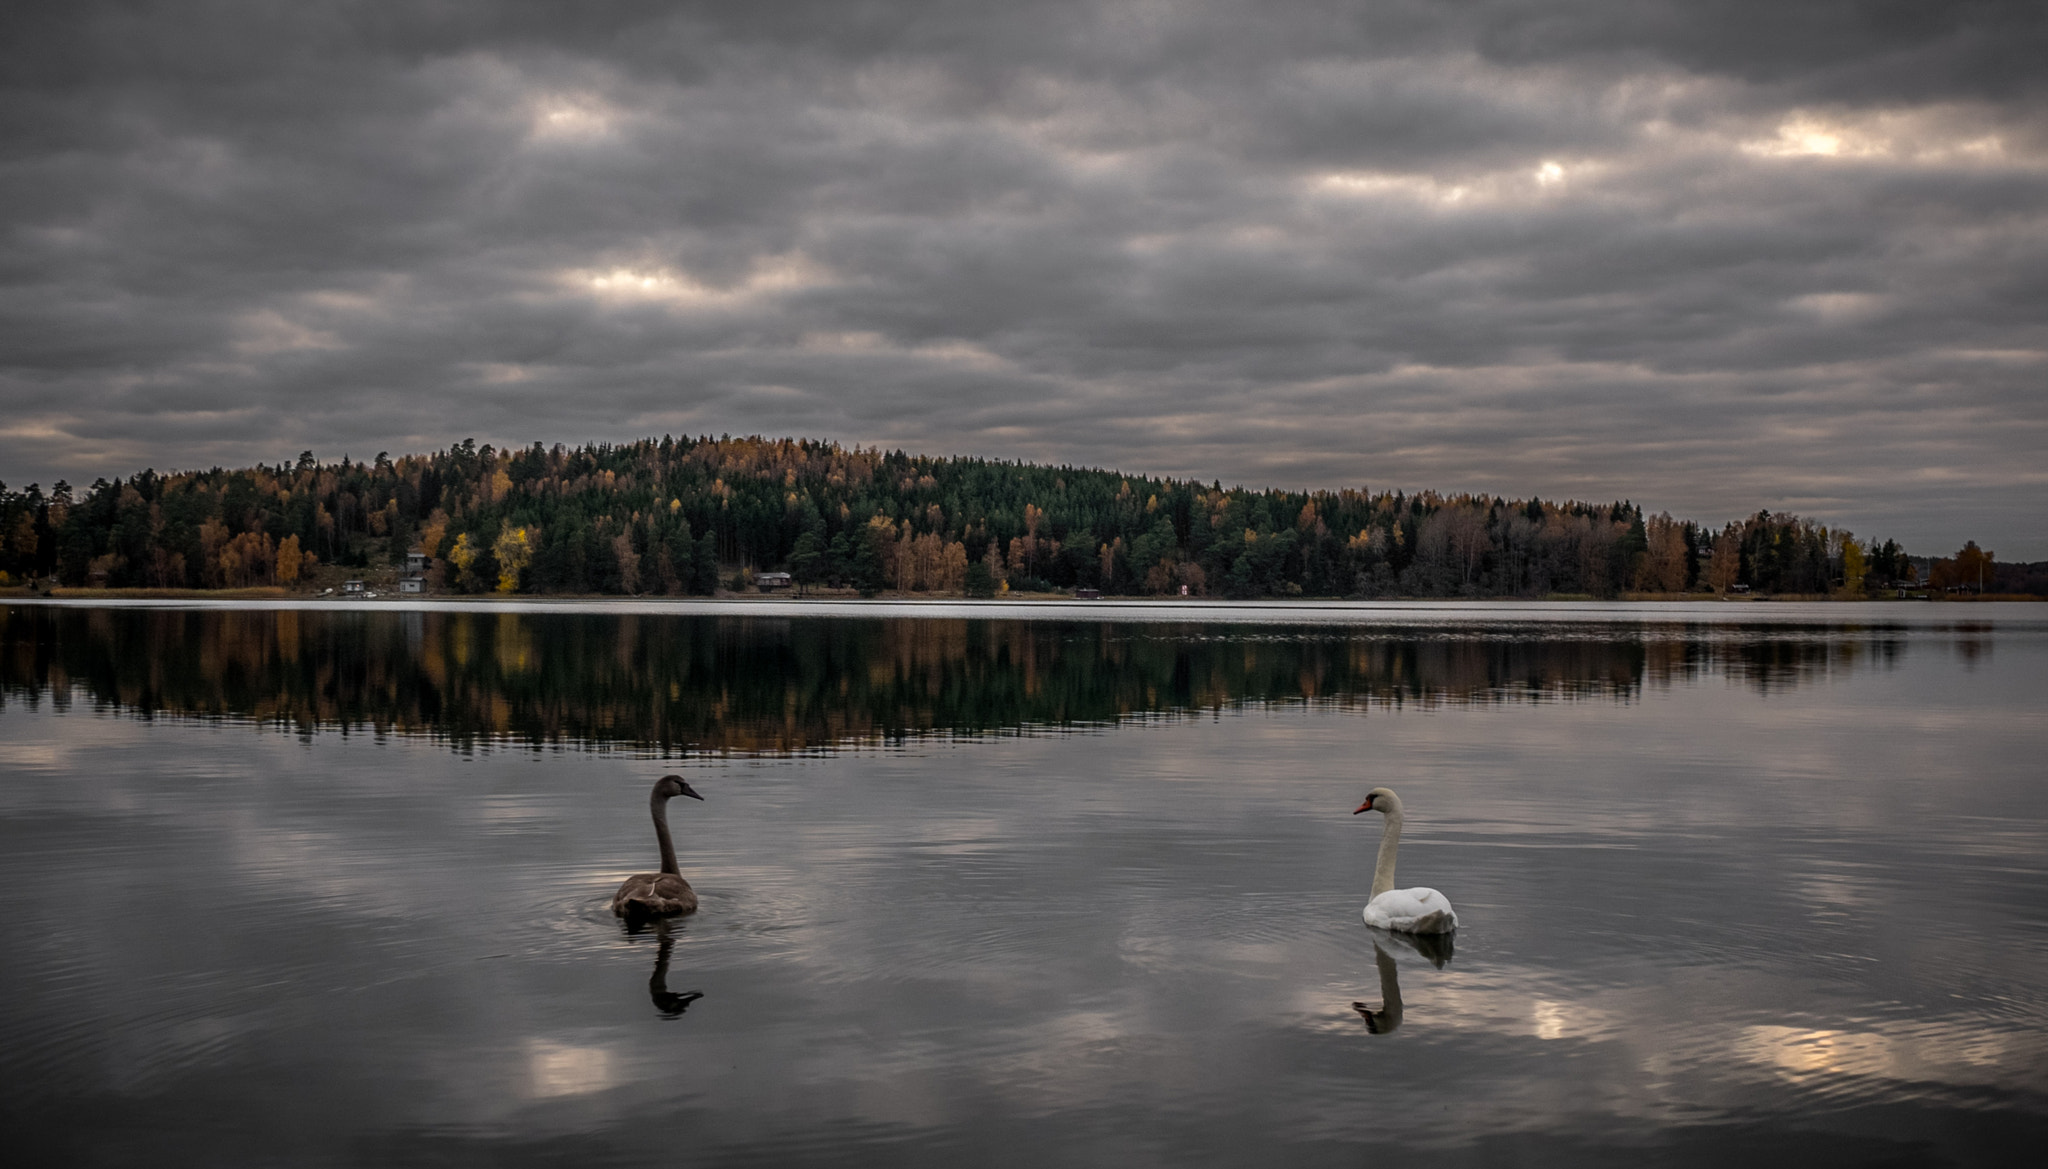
x=329, y=885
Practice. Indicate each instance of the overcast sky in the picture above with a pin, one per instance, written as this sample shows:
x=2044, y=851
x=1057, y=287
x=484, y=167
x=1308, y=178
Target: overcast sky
x=1707, y=256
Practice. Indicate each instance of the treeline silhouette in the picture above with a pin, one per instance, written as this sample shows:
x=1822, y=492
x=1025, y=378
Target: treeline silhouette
x=688, y=516
x=751, y=685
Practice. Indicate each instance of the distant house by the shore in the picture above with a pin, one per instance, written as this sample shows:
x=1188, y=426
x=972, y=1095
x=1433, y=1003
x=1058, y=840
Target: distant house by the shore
x=769, y=582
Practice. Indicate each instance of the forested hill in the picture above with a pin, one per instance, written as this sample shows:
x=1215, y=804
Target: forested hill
x=679, y=515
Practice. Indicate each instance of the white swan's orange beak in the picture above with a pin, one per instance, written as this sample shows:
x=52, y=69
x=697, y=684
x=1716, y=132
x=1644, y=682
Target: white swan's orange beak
x=1364, y=807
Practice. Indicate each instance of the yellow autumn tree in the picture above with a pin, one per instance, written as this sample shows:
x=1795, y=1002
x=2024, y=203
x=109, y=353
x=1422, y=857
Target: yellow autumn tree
x=1664, y=564
x=514, y=550
x=1726, y=567
x=213, y=537
x=1969, y=569
x=288, y=560
x=463, y=556
x=246, y=559
x=433, y=531
x=905, y=560
x=952, y=567
x=1854, y=566
x=883, y=533
x=629, y=562
x=1108, y=554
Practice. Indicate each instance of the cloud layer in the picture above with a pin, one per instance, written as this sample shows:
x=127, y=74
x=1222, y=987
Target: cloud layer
x=1708, y=256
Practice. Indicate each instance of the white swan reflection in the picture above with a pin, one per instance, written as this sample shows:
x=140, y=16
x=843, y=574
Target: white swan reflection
x=1387, y=1016
x=1437, y=949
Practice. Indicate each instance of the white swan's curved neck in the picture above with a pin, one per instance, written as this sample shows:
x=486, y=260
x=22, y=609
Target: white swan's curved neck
x=1390, y=844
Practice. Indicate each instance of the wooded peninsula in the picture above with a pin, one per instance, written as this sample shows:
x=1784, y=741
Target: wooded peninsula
x=684, y=516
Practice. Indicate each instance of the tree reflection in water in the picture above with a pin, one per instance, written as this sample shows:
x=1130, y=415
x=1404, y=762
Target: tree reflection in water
x=743, y=685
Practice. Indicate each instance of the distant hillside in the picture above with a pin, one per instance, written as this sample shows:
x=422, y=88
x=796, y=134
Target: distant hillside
x=685, y=516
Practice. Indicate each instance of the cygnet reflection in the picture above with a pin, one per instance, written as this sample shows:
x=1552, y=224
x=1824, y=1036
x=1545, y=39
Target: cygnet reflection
x=1436, y=948
x=670, y=1003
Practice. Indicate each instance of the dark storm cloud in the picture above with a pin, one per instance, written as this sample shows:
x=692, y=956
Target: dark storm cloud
x=1709, y=256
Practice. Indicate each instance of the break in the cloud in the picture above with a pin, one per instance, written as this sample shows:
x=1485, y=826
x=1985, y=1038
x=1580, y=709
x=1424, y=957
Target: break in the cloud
x=1710, y=256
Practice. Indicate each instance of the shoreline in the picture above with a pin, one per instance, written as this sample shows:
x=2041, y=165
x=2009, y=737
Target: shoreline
x=274, y=593
x=1272, y=611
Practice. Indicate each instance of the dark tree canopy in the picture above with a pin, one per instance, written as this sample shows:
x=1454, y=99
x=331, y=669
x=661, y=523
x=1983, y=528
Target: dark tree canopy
x=680, y=516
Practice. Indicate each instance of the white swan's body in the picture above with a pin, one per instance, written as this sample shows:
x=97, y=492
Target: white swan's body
x=1412, y=911
x=1407, y=911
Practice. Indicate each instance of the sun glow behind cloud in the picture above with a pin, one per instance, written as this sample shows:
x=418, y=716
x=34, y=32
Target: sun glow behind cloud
x=1926, y=136
x=1508, y=186
x=568, y=117
x=1805, y=134
x=1840, y=307
x=1421, y=188
x=769, y=276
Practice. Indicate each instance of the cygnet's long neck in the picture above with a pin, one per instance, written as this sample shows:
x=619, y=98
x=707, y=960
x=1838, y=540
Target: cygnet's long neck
x=1390, y=844
x=659, y=805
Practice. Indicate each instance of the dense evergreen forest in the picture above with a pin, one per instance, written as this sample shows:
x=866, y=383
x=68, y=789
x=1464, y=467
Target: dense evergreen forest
x=690, y=516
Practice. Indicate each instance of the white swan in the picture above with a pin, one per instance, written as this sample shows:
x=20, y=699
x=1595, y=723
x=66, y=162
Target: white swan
x=1408, y=911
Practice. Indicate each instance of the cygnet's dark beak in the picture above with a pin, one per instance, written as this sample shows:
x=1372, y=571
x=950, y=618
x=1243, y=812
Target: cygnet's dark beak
x=693, y=795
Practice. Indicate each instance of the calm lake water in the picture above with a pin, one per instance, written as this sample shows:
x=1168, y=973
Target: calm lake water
x=329, y=885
